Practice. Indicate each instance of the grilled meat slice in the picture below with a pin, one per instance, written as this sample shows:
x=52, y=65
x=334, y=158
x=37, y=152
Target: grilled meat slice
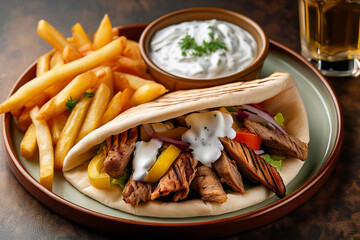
x=228, y=173
x=277, y=144
x=178, y=178
x=120, y=149
x=208, y=186
x=254, y=167
x=135, y=191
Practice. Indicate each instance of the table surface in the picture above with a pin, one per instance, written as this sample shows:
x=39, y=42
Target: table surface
x=332, y=213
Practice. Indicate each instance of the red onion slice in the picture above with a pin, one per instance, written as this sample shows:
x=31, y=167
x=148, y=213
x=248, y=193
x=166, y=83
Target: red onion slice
x=266, y=116
x=150, y=131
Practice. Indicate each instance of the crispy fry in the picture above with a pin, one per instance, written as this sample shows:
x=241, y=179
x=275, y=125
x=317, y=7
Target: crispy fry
x=70, y=54
x=39, y=84
x=43, y=63
x=74, y=89
x=104, y=33
x=146, y=93
x=57, y=87
x=126, y=97
x=56, y=60
x=24, y=120
x=95, y=112
x=115, y=32
x=108, y=80
x=132, y=51
x=121, y=82
x=28, y=145
x=113, y=109
x=136, y=82
x=70, y=131
x=51, y=35
x=46, y=151
x=79, y=36
x=56, y=126
x=17, y=112
x=130, y=66
x=86, y=50
x=38, y=100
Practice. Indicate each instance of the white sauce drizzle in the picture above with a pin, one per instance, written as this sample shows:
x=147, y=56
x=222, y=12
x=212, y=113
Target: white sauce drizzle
x=145, y=157
x=203, y=135
x=167, y=54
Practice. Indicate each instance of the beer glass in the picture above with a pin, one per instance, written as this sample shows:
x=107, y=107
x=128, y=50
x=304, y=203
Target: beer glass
x=330, y=35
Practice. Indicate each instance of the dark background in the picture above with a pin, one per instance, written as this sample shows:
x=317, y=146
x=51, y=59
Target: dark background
x=333, y=213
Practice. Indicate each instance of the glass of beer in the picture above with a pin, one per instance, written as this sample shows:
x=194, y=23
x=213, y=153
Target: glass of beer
x=330, y=35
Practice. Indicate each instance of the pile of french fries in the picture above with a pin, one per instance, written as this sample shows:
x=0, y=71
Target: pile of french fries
x=79, y=86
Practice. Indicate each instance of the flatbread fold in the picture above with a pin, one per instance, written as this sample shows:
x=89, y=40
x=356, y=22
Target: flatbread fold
x=278, y=92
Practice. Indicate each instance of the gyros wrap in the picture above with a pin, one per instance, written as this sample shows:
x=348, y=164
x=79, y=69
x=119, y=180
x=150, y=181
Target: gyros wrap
x=277, y=93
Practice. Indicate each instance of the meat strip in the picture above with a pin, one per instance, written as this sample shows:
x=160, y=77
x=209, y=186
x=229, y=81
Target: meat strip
x=228, y=173
x=135, y=192
x=254, y=167
x=278, y=144
x=208, y=186
x=120, y=149
x=178, y=178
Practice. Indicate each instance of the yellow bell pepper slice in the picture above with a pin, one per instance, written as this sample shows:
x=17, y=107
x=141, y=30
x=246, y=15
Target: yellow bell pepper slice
x=98, y=178
x=234, y=126
x=162, y=164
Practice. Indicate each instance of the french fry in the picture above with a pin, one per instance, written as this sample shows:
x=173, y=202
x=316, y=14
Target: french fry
x=79, y=36
x=39, y=84
x=136, y=82
x=108, y=80
x=70, y=131
x=70, y=54
x=51, y=35
x=56, y=60
x=95, y=112
x=103, y=34
x=115, y=32
x=38, y=100
x=146, y=93
x=113, y=109
x=46, y=151
x=56, y=125
x=43, y=63
x=74, y=89
x=17, y=112
x=121, y=82
x=126, y=97
x=130, y=66
x=132, y=51
x=86, y=50
x=57, y=87
x=28, y=145
x=24, y=120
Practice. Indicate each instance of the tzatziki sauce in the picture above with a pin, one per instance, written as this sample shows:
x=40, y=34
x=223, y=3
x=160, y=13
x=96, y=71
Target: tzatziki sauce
x=203, y=49
x=145, y=157
x=203, y=135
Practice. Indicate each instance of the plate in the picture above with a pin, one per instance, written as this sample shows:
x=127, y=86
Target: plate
x=326, y=134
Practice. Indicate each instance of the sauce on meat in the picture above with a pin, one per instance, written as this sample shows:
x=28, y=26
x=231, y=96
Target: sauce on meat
x=203, y=135
x=144, y=157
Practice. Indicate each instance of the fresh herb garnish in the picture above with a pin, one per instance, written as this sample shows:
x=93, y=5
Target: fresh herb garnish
x=89, y=94
x=71, y=103
x=188, y=43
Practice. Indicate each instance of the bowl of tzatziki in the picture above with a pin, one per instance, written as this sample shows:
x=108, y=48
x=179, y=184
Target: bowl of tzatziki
x=203, y=47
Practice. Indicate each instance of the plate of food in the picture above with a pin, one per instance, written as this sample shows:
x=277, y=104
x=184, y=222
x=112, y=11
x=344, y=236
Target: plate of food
x=85, y=182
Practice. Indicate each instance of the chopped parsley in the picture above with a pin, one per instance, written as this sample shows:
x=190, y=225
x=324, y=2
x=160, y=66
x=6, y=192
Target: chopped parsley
x=71, y=103
x=89, y=94
x=188, y=43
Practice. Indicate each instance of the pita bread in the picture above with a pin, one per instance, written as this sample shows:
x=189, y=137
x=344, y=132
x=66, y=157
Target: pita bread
x=279, y=94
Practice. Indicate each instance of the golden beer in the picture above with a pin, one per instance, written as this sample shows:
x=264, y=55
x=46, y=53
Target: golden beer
x=330, y=35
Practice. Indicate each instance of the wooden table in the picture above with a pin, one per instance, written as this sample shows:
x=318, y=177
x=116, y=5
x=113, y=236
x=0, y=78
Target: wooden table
x=333, y=213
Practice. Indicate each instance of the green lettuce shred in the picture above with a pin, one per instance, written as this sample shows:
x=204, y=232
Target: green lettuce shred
x=273, y=160
x=123, y=179
x=279, y=118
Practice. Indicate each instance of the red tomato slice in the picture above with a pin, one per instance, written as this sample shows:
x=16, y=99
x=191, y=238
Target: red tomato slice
x=248, y=138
